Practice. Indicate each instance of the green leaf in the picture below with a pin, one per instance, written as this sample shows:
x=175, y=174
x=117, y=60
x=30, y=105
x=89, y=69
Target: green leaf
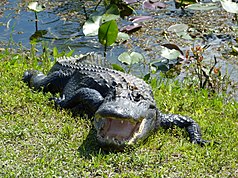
x=34, y=6
x=178, y=28
x=203, y=6
x=130, y=59
x=117, y=67
x=122, y=37
x=136, y=57
x=70, y=53
x=146, y=77
x=184, y=35
x=107, y=33
x=55, y=52
x=169, y=53
x=125, y=58
x=109, y=17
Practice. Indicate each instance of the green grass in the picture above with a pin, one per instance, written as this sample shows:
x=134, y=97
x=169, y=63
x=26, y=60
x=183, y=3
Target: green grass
x=37, y=140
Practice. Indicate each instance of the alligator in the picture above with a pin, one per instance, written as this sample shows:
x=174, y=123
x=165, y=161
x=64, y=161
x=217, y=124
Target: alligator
x=122, y=106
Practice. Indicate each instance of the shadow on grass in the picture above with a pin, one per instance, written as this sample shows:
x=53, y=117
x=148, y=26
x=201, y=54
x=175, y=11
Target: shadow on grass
x=91, y=148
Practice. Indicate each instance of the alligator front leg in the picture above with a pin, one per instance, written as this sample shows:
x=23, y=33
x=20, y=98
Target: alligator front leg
x=193, y=129
x=84, y=98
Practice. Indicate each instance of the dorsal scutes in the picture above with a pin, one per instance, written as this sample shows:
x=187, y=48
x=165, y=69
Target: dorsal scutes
x=90, y=58
x=122, y=80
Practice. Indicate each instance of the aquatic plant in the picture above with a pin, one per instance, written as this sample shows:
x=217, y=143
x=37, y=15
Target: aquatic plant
x=36, y=8
x=208, y=75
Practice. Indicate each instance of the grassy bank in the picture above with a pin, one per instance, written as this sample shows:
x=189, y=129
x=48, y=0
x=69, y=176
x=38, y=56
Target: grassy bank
x=37, y=140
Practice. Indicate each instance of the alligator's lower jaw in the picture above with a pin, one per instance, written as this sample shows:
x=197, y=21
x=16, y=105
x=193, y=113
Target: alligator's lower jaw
x=117, y=133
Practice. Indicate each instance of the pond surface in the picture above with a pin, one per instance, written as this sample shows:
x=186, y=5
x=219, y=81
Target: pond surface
x=18, y=24
x=63, y=21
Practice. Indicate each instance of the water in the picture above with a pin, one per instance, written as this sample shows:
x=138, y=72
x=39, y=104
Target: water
x=63, y=23
x=18, y=25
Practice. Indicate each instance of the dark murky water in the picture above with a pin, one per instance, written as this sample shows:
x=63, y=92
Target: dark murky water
x=63, y=22
x=17, y=24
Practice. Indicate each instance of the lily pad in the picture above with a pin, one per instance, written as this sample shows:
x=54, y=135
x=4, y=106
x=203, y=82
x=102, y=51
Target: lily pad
x=184, y=35
x=170, y=53
x=136, y=57
x=230, y=6
x=125, y=58
x=203, y=6
x=178, y=28
x=122, y=36
x=130, y=58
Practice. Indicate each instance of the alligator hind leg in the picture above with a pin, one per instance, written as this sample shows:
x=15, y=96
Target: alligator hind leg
x=193, y=129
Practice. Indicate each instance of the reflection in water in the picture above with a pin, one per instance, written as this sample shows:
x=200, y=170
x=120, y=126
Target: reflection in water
x=18, y=24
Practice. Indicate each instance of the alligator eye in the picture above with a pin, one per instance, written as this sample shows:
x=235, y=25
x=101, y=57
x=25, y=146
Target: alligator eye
x=132, y=87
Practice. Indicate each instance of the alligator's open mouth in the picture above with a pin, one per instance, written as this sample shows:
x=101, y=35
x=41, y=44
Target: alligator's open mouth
x=117, y=132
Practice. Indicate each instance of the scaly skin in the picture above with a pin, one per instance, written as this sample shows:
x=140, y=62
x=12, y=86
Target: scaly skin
x=122, y=105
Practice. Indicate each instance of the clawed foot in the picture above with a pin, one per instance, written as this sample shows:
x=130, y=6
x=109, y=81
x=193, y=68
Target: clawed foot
x=58, y=101
x=204, y=142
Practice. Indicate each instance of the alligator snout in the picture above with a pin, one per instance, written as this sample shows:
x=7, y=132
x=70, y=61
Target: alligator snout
x=124, y=109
